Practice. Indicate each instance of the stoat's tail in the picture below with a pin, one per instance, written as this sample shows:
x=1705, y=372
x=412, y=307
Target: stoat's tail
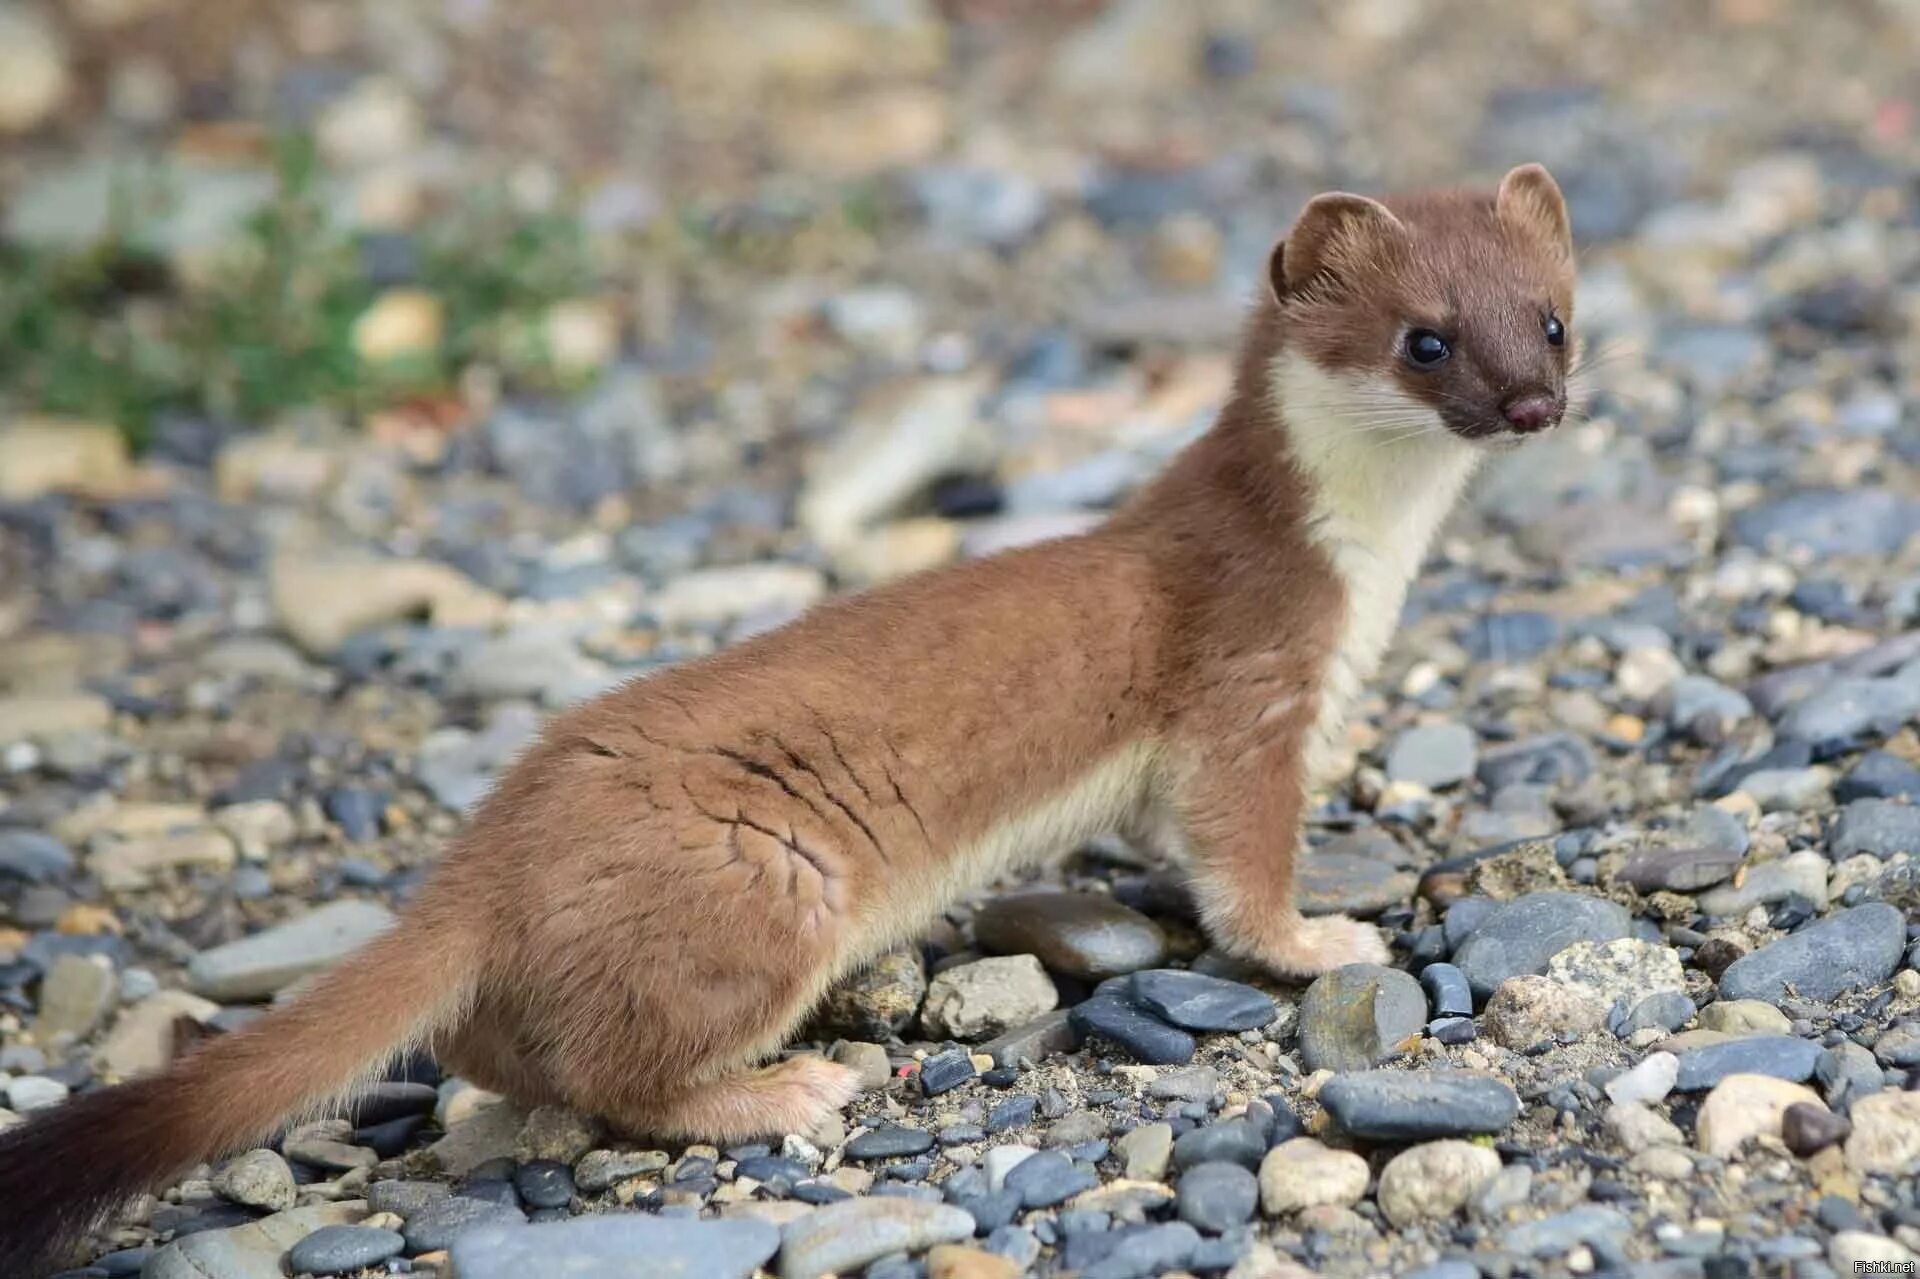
x=63, y=1171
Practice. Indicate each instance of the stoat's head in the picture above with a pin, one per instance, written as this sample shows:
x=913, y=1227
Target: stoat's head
x=1460, y=303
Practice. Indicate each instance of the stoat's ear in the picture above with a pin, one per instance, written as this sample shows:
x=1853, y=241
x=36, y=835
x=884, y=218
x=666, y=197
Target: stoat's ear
x=1333, y=233
x=1530, y=201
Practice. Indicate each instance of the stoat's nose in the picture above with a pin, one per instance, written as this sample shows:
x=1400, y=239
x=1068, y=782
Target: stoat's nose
x=1530, y=412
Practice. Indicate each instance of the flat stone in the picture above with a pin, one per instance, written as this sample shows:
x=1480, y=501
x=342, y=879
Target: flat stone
x=1846, y=950
x=618, y=1246
x=943, y=1072
x=890, y=1142
x=1563, y=1232
x=1146, y=1151
x=842, y=1237
x=1744, y=1017
x=1078, y=934
x=1358, y=1016
x=1328, y=882
x=442, y=1222
x=1802, y=874
x=1196, y=1002
x=257, y=966
x=599, y=1170
x=1878, y=775
x=1776, y=1056
x=1433, y=755
x=1876, y=827
x=1392, y=1105
x=76, y=997
x=1146, y=1037
x=987, y=997
x=1524, y=935
x=340, y=1250
x=1625, y=969
x=1049, y=1178
x=1039, y=1039
x=252, y=1251
x=1239, y=1140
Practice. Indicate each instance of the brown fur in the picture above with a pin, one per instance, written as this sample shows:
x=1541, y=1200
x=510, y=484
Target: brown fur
x=678, y=869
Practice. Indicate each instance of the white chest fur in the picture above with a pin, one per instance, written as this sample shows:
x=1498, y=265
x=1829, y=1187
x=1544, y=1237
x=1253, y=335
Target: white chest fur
x=1385, y=472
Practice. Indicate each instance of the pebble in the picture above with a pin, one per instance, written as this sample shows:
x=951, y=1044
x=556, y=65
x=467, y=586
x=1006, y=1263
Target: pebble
x=341, y=1250
x=1448, y=994
x=944, y=1072
x=75, y=997
x=954, y=1261
x=1358, y=1016
x=1075, y=934
x=1886, y=1134
x=842, y=1237
x=1433, y=1181
x=1240, y=1140
x=257, y=1179
x=1649, y=1081
x=1329, y=881
x=1147, y=1038
x=987, y=997
x=1216, y=1197
x=1047, y=1179
x=890, y=1142
x=1744, y=1017
x=1146, y=1151
x=1778, y=1056
x=27, y=1093
x=1808, y=1129
x=1196, y=1002
x=619, y=1246
x=1876, y=827
x=1878, y=775
x=269, y=961
x=1845, y=950
x=598, y=1170
x=1302, y=1173
x=1561, y=1233
x=1742, y=1107
x=439, y=1224
x=1433, y=755
x=1801, y=874
x=251, y=1251
x=1524, y=935
x=1625, y=969
x=33, y=858
x=1529, y=1011
x=876, y=1003
x=1391, y=1105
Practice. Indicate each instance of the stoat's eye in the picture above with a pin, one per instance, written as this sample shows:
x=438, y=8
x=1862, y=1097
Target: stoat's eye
x=1427, y=349
x=1556, y=331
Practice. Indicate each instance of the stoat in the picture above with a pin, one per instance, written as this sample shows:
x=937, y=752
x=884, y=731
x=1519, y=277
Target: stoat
x=653, y=898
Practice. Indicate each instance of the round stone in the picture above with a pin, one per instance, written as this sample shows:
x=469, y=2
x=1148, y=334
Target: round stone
x=1076, y=934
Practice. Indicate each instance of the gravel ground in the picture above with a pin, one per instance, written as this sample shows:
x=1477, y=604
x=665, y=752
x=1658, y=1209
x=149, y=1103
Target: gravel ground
x=1637, y=794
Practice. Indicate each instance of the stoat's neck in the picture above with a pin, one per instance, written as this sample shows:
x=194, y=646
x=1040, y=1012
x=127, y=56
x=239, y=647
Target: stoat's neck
x=1383, y=471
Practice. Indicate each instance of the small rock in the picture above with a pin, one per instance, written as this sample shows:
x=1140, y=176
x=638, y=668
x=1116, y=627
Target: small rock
x=1886, y=1134
x=1623, y=969
x=1048, y=1178
x=1744, y=1017
x=33, y=858
x=252, y=1251
x=1216, y=1197
x=1196, y=1002
x=1809, y=1129
x=1303, y=1173
x=1637, y=1126
x=272, y=960
x=257, y=1179
x=1776, y=1056
x=1358, y=1016
x=1650, y=1081
x=1524, y=935
x=76, y=997
x=944, y=1072
x=987, y=997
x=890, y=1142
x=1527, y=1011
x=869, y=1061
x=1448, y=994
x=1847, y=949
x=1561, y=1233
x=877, y=1002
x=1391, y=1105
x=1742, y=1107
x=1802, y=874
x=1432, y=1182
x=1078, y=934
x=599, y=1170
x=1876, y=827
x=1146, y=1151
x=39, y=456
x=1433, y=755
x=1148, y=1038
x=841, y=1237
x=619, y=1246
x=342, y=1250
x=442, y=1222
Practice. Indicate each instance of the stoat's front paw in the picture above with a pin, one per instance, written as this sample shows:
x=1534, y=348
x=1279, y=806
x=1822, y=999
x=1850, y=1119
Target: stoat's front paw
x=1314, y=946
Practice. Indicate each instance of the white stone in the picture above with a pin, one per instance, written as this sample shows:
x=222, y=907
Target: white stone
x=1742, y=1107
x=1433, y=1181
x=1303, y=1173
x=986, y=997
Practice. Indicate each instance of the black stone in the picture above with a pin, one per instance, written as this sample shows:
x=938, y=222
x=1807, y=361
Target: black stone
x=1014, y=1112
x=435, y=1226
x=1240, y=1141
x=1447, y=991
x=1049, y=1178
x=1781, y=1056
x=945, y=1071
x=338, y=1250
x=544, y=1183
x=1146, y=1037
x=1195, y=1002
x=1216, y=1197
x=890, y=1142
x=1403, y=1106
